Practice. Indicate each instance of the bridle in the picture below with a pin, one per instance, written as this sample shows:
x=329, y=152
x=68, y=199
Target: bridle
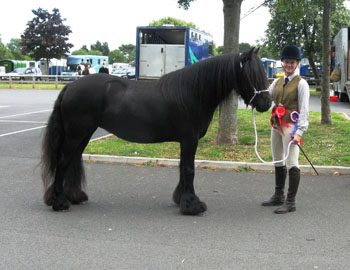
x=256, y=92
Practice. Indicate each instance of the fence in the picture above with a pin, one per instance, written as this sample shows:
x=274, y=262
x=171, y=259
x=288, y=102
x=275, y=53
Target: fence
x=38, y=79
x=64, y=79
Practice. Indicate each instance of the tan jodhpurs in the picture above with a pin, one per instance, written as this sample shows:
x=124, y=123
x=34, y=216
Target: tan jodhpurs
x=279, y=147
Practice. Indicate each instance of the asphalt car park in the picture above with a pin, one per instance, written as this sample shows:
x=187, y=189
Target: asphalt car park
x=130, y=221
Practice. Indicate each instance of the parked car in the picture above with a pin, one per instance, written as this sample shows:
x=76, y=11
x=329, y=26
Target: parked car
x=71, y=76
x=23, y=74
x=119, y=72
x=130, y=74
x=13, y=74
x=2, y=70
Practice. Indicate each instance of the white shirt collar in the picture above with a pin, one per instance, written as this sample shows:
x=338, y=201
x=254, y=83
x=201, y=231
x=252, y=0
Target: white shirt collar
x=291, y=77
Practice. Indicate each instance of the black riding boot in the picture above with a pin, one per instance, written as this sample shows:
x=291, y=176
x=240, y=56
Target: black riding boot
x=280, y=179
x=289, y=204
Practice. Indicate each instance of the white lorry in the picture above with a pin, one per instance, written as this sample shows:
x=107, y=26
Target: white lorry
x=163, y=49
x=342, y=60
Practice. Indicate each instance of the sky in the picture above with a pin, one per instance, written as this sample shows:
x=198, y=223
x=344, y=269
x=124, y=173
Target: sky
x=115, y=21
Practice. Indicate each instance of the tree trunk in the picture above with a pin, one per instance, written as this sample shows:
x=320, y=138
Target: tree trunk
x=313, y=66
x=227, y=132
x=326, y=117
x=314, y=71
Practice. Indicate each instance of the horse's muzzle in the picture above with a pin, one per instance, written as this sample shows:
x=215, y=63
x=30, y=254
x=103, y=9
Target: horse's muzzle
x=262, y=105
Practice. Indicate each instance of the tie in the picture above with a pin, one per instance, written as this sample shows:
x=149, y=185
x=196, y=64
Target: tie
x=286, y=80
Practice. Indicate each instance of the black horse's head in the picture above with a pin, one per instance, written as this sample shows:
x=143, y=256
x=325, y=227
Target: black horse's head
x=253, y=81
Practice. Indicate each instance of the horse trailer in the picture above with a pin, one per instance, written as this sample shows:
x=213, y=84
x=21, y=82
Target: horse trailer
x=270, y=67
x=163, y=49
x=10, y=65
x=342, y=60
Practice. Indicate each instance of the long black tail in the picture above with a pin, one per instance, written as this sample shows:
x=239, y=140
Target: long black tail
x=51, y=146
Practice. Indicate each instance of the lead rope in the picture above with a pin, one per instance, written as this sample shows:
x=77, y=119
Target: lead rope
x=256, y=145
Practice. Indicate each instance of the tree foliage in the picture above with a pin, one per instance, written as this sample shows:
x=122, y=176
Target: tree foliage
x=4, y=52
x=15, y=47
x=12, y=50
x=117, y=56
x=46, y=36
x=185, y=4
x=103, y=48
x=129, y=51
x=300, y=22
x=172, y=21
x=244, y=47
x=84, y=51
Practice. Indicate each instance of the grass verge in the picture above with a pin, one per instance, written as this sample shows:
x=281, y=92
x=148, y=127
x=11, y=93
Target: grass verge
x=324, y=144
x=38, y=86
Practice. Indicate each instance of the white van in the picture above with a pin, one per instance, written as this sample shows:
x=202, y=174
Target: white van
x=2, y=70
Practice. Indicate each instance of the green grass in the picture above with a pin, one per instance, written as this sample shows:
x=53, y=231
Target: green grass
x=324, y=144
x=313, y=92
x=38, y=85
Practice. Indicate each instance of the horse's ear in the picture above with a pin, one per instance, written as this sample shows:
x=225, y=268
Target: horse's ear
x=250, y=53
x=247, y=55
x=257, y=50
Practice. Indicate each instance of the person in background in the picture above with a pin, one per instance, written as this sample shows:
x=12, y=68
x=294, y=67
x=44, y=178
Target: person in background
x=78, y=69
x=290, y=119
x=332, y=61
x=103, y=69
x=87, y=67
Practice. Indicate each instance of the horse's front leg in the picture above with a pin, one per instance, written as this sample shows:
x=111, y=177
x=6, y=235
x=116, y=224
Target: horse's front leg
x=184, y=194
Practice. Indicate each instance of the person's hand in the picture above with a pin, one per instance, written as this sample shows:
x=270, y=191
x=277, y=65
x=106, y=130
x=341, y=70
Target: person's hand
x=296, y=139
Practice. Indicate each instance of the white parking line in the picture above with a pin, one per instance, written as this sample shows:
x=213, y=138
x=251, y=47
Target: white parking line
x=20, y=131
x=21, y=114
x=18, y=121
x=31, y=122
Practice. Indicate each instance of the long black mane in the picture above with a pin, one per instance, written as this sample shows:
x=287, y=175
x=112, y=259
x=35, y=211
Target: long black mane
x=212, y=80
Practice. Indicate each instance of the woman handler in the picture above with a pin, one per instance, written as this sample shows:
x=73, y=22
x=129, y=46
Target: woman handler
x=290, y=119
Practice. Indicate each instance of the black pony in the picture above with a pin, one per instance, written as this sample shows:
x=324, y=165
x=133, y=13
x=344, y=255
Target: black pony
x=178, y=107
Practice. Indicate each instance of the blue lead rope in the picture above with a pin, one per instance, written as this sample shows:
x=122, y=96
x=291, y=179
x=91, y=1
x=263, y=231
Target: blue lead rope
x=294, y=116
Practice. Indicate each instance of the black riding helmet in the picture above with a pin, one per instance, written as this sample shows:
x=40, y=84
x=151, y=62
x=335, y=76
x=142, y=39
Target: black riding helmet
x=290, y=52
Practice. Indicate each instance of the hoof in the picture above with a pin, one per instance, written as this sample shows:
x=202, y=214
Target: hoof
x=77, y=197
x=191, y=205
x=60, y=203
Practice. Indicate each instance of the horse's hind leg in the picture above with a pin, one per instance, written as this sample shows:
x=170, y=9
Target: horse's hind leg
x=184, y=194
x=70, y=177
x=54, y=195
x=74, y=181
